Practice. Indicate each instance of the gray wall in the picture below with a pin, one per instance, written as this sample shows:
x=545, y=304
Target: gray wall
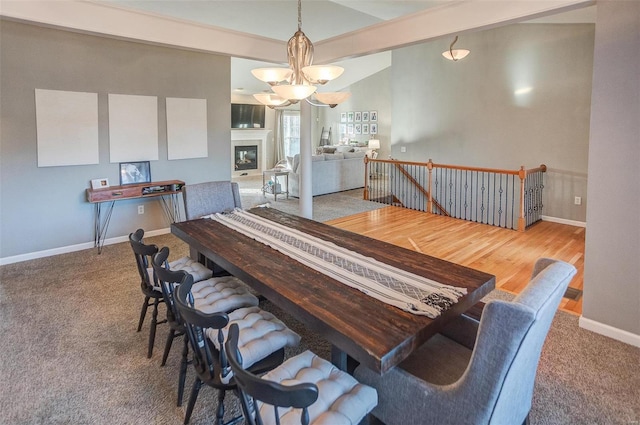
x=467, y=112
x=45, y=208
x=370, y=94
x=612, y=266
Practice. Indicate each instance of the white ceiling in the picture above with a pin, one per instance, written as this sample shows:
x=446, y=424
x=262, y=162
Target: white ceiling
x=360, y=30
x=321, y=19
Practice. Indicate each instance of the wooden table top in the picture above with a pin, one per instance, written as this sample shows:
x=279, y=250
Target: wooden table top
x=375, y=334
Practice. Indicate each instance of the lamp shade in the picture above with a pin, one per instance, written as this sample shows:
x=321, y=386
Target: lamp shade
x=321, y=74
x=333, y=98
x=272, y=75
x=269, y=99
x=294, y=91
x=374, y=144
x=455, y=54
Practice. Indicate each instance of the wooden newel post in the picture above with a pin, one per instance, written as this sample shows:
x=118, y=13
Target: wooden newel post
x=430, y=198
x=521, y=221
x=366, y=178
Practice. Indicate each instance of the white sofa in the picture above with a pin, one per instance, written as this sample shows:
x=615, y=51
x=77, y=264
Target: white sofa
x=330, y=173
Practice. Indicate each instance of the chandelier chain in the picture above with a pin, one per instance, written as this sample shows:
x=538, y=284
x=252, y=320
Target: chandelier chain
x=299, y=15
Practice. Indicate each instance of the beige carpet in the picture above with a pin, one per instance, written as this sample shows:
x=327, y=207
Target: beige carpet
x=70, y=353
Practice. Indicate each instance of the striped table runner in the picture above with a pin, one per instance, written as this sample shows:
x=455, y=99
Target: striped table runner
x=394, y=286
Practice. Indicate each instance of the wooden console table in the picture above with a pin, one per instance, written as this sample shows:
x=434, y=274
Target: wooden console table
x=166, y=192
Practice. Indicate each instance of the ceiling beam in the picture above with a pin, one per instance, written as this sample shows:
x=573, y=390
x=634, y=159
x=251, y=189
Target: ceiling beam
x=120, y=23
x=446, y=20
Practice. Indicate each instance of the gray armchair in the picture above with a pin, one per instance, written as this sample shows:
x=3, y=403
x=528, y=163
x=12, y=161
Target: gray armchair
x=446, y=382
x=211, y=197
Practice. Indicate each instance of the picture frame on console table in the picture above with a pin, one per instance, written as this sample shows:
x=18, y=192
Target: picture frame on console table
x=135, y=172
x=99, y=183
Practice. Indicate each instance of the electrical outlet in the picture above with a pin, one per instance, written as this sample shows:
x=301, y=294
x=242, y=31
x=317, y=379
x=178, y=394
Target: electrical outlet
x=140, y=209
x=403, y=149
x=577, y=200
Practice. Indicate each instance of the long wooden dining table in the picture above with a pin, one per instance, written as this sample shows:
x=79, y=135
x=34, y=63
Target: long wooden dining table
x=358, y=326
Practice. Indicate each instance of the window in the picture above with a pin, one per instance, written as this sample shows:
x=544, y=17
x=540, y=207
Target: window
x=291, y=132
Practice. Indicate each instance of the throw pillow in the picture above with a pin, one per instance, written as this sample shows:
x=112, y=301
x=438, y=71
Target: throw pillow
x=328, y=149
x=296, y=163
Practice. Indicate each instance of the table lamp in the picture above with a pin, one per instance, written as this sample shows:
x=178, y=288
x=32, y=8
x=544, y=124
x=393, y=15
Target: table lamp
x=373, y=145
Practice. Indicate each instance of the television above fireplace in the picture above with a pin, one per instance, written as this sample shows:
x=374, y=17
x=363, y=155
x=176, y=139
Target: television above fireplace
x=245, y=115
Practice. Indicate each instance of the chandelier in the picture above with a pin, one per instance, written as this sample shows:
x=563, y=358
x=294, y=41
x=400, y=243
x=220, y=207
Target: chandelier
x=290, y=85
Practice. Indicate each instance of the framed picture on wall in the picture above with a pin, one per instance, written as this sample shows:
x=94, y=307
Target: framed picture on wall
x=365, y=128
x=349, y=128
x=373, y=115
x=373, y=129
x=343, y=129
x=343, y=117
x=350, y=116
x=365, y=116
x=135, y=172
x=358, y=128
x=358, y=116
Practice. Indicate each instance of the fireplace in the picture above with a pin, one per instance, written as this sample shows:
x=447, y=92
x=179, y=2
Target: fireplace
x=246, y=157
x=257, y=143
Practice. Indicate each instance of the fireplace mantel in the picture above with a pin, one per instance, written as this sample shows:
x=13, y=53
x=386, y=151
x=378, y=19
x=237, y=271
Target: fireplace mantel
x=249, y=137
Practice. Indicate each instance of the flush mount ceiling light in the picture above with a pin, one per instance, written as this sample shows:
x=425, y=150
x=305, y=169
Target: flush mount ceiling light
x=455, y=54
x=299, y=80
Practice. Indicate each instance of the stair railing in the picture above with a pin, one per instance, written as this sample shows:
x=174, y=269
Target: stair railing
x=504, y=198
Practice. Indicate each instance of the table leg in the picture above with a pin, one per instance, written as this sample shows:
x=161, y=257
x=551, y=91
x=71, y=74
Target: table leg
x=342, y=360
x=101, y=225
x=338, y=358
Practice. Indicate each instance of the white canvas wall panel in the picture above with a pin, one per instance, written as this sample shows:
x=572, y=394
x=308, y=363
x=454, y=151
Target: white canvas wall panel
x=67, y=128
x=133, y=128
x=186, y=128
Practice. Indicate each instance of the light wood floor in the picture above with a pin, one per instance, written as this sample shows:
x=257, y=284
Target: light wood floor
x=507, y=254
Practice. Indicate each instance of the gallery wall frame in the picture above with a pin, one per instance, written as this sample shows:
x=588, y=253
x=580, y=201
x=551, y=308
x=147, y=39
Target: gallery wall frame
x=66, y=128
x=133, y=128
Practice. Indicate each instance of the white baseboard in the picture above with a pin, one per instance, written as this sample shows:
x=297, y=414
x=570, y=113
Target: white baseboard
x=564, y=221
x=74, y=248
x=609, y=331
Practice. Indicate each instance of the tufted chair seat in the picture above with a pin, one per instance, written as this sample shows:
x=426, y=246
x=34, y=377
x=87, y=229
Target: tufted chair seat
x=341, y=398
x=261, y=334
x=222, y=294
x=264, y=347
x=304, y=389
x=149, y=282
x=212, y=295
x=197, y=270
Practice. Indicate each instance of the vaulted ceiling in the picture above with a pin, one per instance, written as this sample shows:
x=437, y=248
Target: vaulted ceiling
x=357, y=34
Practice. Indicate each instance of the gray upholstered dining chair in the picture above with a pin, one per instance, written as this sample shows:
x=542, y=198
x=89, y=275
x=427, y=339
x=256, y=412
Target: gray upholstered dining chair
x=489, y=382
x=202, y=199
x=210, y=197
